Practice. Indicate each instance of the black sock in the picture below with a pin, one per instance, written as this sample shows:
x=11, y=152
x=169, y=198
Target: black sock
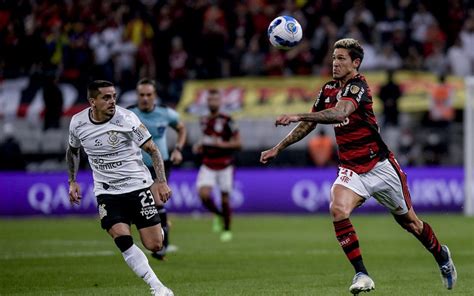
x=430, y=241
x=163, y=213
x=124, y=242
x=226, y=213
x=211, y=206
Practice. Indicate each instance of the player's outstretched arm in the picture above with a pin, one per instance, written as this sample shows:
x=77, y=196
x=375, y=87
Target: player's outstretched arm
x=162, y=188
x=72, y=160
x=298, y=133
x=337, y=114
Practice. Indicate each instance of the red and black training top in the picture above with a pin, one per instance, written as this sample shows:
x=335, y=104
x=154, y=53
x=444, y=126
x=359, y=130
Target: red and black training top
x=217, y=127
x=358, y=138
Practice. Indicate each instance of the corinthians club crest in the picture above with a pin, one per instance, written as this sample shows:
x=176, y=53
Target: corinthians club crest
x=113, y=139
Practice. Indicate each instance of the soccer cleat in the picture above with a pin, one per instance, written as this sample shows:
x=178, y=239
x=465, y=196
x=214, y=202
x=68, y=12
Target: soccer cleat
x=162, y=291
x=159, y=256
x=226, y=236
x=217, y=224
x=448, y=271
x=361, y=283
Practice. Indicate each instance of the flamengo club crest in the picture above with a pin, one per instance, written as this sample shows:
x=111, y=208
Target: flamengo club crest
x=113, y=139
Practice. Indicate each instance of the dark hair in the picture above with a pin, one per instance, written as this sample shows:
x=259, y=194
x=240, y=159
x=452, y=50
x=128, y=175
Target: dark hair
x=93, y=87
x=213, y=91
x=353, y=46
x=147, y=81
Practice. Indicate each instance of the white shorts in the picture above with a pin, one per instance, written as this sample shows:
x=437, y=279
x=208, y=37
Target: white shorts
x=222, y=178
x=386, y=182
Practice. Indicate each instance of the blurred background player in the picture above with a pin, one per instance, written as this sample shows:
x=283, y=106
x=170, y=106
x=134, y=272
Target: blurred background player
x=157, y=118
x=367, y=168
x=220, y=140
x=111, y=137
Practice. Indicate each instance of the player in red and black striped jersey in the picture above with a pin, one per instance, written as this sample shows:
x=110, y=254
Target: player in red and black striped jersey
x=219, y=142
x=357, y=136
x=367, y=168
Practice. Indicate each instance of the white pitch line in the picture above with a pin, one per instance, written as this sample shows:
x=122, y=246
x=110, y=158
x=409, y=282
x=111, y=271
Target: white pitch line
x=56, y=255
x=65, y=242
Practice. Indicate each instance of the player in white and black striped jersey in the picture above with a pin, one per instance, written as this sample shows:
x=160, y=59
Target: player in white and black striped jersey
x=112, y=136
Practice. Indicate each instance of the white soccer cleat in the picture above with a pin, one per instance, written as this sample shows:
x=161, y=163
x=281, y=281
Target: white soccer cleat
x=163, y=291
x=361, y=283
x=448, y=271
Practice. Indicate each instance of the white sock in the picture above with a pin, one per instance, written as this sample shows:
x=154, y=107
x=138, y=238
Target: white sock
x=138, y=262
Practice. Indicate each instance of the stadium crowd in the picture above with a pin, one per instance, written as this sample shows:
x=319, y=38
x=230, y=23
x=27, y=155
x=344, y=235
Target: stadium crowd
x=76, y=40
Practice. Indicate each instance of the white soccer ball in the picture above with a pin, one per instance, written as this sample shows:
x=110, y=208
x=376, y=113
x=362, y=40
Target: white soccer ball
x=284, y=32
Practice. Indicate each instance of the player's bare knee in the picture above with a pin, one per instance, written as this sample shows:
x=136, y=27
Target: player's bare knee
x=154, y=245
x=204, y=194
x=339, y=212
x=204, y=197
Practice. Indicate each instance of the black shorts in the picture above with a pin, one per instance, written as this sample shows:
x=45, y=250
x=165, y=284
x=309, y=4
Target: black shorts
x=137, y=207
x=167, y=164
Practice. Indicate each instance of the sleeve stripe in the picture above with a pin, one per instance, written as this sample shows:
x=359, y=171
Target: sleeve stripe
x=356, y=105
x=148, y=139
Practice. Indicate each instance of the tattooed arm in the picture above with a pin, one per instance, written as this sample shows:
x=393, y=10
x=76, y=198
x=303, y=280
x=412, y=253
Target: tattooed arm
x=72, y=160
x=298, y=133
x=337, y=114
x=158, y=164
x=162, y=188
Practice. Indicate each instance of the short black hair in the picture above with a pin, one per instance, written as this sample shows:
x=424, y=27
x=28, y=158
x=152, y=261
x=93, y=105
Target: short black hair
x=353, y=46
x=93, y=87
x=147, y=81
x=213, y=91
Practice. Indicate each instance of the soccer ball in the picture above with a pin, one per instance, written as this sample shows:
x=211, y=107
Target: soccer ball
x=284, y=32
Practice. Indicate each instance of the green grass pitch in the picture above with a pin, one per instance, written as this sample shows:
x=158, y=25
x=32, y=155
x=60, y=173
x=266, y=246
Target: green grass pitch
x=270, y=255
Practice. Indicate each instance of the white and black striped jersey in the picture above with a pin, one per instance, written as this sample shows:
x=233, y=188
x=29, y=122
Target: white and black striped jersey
x=113, y=149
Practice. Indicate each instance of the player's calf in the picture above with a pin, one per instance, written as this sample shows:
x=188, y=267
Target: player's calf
x=152, y=238
x=137, y=261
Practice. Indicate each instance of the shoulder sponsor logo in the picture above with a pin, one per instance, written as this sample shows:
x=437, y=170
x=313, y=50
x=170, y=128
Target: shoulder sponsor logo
x=139, y=132
x=113, y=139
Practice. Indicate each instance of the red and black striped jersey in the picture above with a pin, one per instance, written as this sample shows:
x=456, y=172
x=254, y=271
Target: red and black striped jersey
x=358, y=138
x=222, y=128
